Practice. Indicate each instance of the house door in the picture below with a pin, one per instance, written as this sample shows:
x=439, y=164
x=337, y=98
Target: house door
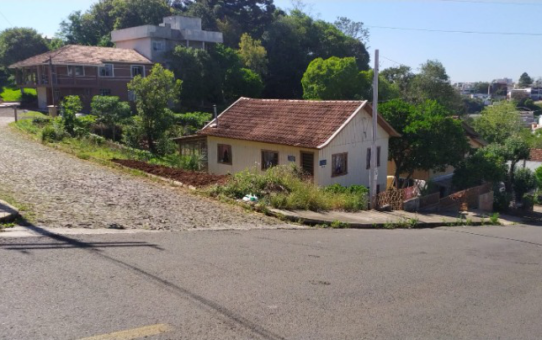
x=307, y=162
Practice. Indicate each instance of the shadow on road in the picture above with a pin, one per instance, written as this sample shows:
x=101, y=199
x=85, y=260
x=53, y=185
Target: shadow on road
x=204, y=303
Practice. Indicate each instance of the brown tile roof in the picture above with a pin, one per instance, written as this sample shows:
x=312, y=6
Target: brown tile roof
x=303, y=123
x=84, y=55
x=536, y=155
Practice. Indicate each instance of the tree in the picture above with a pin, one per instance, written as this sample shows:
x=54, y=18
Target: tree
x=353, y=29
x=94, y=26
x=433, y=83
x=71, y=105
x=401, y=77
x=253, y=54
x=524, y=80
x=17, y=44
x=485, y=165
x=110, y=111
x=154, y=94
x=233, y=17
x=334, y=78
x=293, y=41
x=431, y=139
x=481, y=87
x=524, y=182
x=498, y=122
x=514, y=150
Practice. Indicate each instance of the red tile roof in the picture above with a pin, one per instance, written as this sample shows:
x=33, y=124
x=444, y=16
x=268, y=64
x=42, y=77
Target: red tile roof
x=84, y=55
x=304, y=123
x=536, y=155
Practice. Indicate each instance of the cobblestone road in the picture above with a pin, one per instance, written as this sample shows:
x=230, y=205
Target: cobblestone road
x=64, y=191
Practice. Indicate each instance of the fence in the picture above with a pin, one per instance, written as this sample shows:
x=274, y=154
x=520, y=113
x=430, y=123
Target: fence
x=468, y=197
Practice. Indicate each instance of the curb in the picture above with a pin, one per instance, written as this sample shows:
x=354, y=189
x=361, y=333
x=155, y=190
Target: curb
x=350, y=225
x=8, y=213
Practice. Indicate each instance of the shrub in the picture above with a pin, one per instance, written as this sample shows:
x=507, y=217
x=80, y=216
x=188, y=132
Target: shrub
x=70, y=106
x=29, y=97
x=192, y=121
x=53, y=133
x=284, y=187
x=41, y=121
x=524, y=181
x=82, y=125
x=501, y=200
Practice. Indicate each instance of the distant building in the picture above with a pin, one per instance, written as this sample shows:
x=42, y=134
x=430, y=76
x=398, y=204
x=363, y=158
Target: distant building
x=154, y=41
x=85, y=71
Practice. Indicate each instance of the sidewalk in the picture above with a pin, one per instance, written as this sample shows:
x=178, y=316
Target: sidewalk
x=383, y=219
x=8, y=213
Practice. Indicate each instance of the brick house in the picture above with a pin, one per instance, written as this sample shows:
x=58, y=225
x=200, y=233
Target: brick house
x=85, y=71
x=331, y=140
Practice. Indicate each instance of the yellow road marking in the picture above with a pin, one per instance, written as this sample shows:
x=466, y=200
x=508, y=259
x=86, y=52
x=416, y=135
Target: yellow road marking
x=134, y=333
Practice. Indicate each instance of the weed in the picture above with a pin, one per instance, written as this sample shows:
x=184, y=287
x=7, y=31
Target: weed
x=494, y=219
x=339, y=225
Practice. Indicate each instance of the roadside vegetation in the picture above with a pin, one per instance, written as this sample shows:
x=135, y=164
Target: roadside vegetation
x=10, y=94
x=285, y=187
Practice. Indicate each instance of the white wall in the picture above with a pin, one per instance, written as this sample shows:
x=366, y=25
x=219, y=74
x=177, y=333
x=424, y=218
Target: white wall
x=354, y=139
x=143, y=46
x=42, y=97
x=247, y=154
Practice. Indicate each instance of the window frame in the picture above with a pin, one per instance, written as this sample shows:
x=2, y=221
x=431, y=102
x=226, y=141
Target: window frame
x=262, y=159
x=105, y=67
x=105, y=95
x=159, y=42
x=218, y=158
x=132, y=70
x=368, y=157
x=333, y=156
x=378, y=156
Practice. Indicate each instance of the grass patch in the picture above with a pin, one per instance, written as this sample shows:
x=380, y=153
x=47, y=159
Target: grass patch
x=284, y=187
x=14, y=94
x=24, y=210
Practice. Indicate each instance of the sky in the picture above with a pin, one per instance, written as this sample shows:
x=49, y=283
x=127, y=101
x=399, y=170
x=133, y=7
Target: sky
x=467, y=57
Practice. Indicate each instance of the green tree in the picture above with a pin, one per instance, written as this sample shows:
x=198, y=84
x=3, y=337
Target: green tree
x=17, y=44
x=334, y=78
x=401, y=77
x=524, y=181
x=423, y=127
x=233, y=17
x=192, y=121
x=514, y=149
x=71, y=105
x=293, y=41
x=538, y=175
x=253, y=54
x=485, y=165
x=110, y=111
x=433, y=83
x=498, y=122
x=352, y=29
x=524, y=80
x=481, y=87
x=94, y=26
x=154, y=94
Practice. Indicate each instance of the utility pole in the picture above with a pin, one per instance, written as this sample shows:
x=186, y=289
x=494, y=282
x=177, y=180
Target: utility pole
x=51, y=80
x=374, y=168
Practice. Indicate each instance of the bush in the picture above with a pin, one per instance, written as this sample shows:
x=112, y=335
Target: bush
x=284, y=187
x=53, y=133
x=41, y=121
x=29, y=97
x=82, y=125
x=524, y=181
x=192, y=121
x=501, y=200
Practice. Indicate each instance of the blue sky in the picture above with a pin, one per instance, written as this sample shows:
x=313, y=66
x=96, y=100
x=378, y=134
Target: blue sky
x=467, y=57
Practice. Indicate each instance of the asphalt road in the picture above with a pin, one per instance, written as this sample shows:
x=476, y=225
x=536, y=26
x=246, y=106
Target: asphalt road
x=460, y=283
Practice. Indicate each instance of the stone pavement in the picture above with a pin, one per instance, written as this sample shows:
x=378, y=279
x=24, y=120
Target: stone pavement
x=373, y=218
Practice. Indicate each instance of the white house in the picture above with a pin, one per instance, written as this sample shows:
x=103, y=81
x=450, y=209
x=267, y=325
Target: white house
x=331, y=140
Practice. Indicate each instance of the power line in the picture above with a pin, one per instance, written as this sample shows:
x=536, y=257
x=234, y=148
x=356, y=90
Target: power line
x=495, y=2
x=455, y=31
x=9, y=22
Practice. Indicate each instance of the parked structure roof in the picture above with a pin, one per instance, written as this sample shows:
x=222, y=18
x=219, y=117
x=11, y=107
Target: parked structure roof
x=84, y=55
x=303, y=123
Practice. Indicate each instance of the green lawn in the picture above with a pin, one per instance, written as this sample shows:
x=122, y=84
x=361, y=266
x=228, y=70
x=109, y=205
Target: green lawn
x=14, y=94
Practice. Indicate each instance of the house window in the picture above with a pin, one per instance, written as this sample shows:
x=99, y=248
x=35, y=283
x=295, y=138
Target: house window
x=78, y=70
x=138, y=70
x=131, y=96
x=339, y=164
x=378, y=156
x=368, y=160
x=224, y=154
x=157, y=45
x=106, y=70
x=105, y=92
x=269, y=159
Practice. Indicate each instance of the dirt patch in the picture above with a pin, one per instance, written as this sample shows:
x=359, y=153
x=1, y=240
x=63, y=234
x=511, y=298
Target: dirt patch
x=197, y=179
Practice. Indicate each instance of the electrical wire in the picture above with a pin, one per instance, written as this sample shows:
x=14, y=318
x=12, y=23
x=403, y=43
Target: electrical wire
x=9, y=22
x=495, y=2
x=455, y=31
